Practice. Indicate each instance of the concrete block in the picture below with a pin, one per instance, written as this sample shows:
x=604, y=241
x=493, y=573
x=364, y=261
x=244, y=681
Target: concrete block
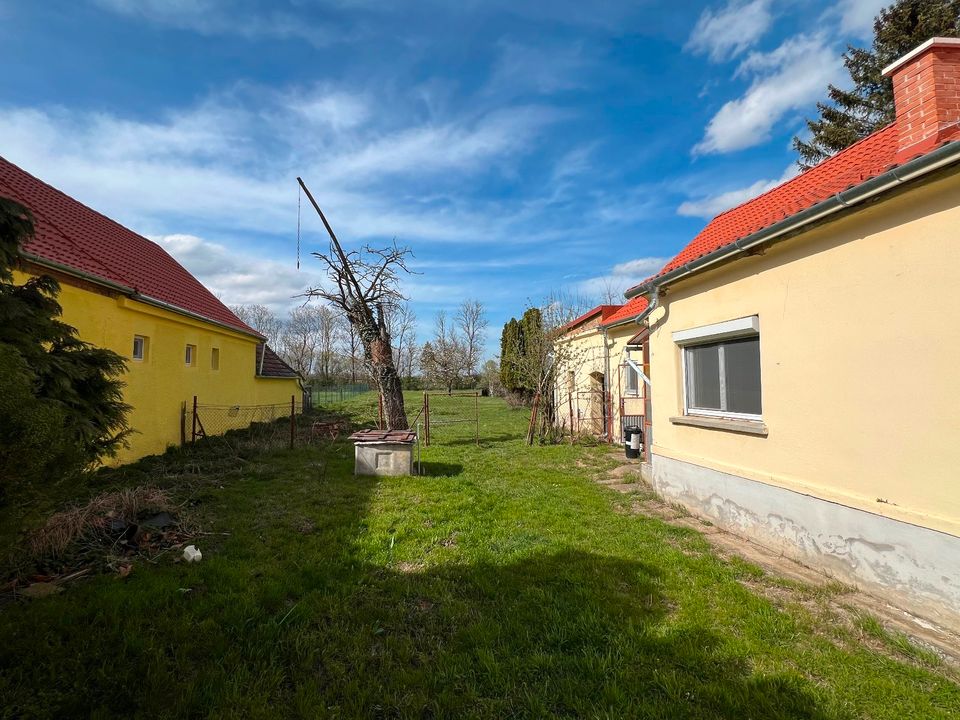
x=383, y=458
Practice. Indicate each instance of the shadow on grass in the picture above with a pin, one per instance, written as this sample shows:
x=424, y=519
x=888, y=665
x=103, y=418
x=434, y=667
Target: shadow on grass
x=440, y=469
x=282, y=620
x=571, y=634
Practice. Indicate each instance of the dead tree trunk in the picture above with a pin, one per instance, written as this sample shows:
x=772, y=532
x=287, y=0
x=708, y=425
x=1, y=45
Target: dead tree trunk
x=363, y=284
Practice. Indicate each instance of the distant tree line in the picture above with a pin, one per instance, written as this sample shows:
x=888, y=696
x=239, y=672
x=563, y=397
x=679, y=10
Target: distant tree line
x=318, y=342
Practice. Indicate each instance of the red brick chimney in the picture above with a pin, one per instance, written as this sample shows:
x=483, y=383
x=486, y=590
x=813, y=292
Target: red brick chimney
x=926, y=90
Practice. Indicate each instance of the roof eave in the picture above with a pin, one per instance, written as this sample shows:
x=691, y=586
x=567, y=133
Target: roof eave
x=131, y=292
x=917, y=168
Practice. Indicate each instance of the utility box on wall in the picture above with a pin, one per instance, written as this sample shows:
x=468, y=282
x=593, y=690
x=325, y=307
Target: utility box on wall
x=379, y=452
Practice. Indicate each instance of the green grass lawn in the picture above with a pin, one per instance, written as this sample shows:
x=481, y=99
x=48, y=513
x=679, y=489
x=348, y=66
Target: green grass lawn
x=503, y=583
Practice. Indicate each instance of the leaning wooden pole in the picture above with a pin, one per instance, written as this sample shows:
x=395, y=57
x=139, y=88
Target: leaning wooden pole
x=533, y=419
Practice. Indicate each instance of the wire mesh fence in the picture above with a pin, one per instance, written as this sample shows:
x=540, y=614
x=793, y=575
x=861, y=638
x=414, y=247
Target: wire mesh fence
x=261, y=427
x=462, y=418
x=335, y=394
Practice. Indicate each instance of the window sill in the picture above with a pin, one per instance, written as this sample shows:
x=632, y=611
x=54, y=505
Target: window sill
x=747, y=427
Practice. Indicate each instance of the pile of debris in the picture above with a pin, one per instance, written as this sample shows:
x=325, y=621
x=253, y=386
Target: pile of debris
x=107, y=534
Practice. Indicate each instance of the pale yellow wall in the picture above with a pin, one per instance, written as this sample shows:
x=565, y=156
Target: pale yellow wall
x=583, y=354
x=860, y=360
x=158, y=385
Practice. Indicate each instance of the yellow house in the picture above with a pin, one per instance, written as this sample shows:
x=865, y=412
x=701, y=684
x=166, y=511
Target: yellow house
x=804, y=351
x=599, y=387
x=124, y=292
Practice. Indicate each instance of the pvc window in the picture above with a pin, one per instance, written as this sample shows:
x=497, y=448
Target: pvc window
x=190, y=356
x=633, y=380
x=139, y=347
x=721, y=377
x=215, y=359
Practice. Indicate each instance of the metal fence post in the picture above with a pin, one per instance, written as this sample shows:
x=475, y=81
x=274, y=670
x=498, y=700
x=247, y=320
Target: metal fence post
x=293, y=418
x=193, y=432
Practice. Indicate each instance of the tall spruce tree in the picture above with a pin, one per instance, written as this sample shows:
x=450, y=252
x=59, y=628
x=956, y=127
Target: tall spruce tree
x=61, y=401
x=851, y=115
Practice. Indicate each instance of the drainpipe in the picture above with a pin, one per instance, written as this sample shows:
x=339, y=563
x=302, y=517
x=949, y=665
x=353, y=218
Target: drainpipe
x=607, y=401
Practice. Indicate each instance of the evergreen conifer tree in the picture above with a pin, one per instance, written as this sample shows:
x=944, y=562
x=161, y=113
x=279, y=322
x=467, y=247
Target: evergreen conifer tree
x=851, y=115
x=61, y=401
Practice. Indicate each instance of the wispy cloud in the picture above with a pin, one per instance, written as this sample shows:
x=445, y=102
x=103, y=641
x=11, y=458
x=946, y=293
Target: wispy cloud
x=790, y=78
x=240, y=278
x=214, y=17
x=230, y=161
x=619, y=278
x=728, y=31
x=709, y=206
x=856, y=16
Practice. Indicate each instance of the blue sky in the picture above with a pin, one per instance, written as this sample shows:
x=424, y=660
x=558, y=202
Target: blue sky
x=520, y=148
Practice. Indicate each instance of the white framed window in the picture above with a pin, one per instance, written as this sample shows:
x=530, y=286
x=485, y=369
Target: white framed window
x=191, y=354
x=721, y=369
x=139, y=347
x=633, y=380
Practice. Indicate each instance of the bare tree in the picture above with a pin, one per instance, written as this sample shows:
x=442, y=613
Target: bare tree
x=260, y=318
x=352, y=353
x=443, y=359
x=331, y=330
x=301, y=338
x=364, y=283
x=611, y=292
x=472, y=323
x=402, y=326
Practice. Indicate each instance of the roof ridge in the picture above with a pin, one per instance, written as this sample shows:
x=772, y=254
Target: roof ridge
x=103, y=247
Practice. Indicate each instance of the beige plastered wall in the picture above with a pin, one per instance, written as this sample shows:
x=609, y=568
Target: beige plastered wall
x=860, y=360
x=583, y=354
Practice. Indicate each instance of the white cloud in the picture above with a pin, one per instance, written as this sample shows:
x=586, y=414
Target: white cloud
x=240, y=278
x=790, y=78
x=539, y=69
x=230, y=163
x=728, y=31
x=856, y=16
x=620, y=277
x=712, y=205
x=212, y=17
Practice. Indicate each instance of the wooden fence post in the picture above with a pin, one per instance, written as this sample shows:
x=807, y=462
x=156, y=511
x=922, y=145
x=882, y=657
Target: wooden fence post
x=426, y=419
x=193, y=432
x=477, y=409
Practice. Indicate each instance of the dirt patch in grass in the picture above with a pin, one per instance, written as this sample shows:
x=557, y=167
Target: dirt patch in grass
x=841, y=613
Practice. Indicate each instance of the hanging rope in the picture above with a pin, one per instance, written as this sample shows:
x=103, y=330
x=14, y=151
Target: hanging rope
x=298, y=227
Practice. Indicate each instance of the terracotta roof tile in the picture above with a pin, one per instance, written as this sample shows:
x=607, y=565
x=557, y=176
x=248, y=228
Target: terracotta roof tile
x=269, y=364
x=634, y=307
x=604, y=311
x=861, y=161
x=70, y=234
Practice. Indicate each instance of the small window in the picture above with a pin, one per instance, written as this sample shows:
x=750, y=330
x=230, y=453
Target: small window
x=571, y=381
x=191, y=354
x=215, y=359
x=633, y=380
x=723, y=378
x=139, y=347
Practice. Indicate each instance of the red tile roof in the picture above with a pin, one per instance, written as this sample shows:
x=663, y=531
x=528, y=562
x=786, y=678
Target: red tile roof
x=861, y=161
x=269, y=364
x=634, y=307
x=604, y=311
x=69, y=234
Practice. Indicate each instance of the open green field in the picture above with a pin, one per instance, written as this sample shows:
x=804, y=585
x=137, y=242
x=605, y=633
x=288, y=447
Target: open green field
x=502, y=583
